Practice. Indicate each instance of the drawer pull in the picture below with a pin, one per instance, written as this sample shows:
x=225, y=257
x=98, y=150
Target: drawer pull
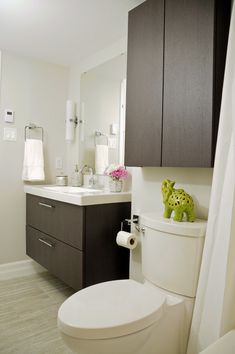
x=46, y=243
x=45, y=205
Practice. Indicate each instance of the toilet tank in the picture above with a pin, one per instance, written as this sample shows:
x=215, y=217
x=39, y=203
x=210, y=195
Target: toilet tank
x=172, y=252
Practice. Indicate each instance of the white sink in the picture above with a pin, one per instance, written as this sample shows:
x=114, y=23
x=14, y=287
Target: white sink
x=71, y=190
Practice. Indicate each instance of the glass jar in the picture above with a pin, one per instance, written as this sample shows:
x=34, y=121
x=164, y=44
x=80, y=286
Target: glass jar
x=115, y=185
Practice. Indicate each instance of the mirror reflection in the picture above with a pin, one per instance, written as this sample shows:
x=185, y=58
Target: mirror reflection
x=103, y=93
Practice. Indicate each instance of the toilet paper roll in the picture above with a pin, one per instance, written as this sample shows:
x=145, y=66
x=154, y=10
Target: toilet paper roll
x=126, y=239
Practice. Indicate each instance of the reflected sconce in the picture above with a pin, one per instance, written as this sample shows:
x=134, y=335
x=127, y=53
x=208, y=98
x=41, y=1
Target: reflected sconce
x=82, y=121
x=71, y=120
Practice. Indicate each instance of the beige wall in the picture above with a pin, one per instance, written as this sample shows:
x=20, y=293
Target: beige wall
x=146, y=195
x=37, y=92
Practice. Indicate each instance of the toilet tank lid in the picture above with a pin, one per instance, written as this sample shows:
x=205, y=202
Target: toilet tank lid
x=157, y=222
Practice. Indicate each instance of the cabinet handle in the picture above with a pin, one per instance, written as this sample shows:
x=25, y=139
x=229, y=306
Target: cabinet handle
x=46, y=243
x=45, y=205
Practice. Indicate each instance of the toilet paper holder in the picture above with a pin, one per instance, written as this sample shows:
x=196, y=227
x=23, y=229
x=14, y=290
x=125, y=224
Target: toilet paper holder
x=133, y=220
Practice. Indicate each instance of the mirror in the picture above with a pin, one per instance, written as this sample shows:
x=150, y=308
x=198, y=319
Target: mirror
x=103, y=94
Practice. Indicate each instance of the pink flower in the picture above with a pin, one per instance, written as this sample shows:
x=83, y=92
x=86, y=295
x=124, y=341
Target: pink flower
x=118, y=173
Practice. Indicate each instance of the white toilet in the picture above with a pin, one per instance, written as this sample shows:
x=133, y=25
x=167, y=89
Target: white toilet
x=127, y=317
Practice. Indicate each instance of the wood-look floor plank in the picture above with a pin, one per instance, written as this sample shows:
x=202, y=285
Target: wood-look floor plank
x=28, y=315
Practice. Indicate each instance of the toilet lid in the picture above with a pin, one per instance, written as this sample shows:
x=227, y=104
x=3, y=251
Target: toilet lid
x=111, y=309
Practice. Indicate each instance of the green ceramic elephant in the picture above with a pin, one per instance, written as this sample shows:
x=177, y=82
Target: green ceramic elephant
x=177, y=200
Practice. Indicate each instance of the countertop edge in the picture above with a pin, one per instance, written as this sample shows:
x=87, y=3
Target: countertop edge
x=81, y=200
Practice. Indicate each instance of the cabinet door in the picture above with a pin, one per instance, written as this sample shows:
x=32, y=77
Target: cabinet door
x=60, y=259
x=188, y=83
x=144, y=84
x=105, y=260
x=63, y=221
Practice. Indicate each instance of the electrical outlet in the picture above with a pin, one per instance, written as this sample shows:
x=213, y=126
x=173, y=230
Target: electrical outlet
x=58, y=163
x=113, y=143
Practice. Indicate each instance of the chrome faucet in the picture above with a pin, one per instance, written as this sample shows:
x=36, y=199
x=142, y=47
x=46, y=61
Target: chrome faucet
x=81, y=170
x=91, y=179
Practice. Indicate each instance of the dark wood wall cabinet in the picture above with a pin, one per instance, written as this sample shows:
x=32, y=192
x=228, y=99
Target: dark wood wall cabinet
x=175, y=70
x=77, y=243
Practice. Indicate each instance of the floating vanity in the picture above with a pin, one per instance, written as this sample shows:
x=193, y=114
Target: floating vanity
x=71, y=231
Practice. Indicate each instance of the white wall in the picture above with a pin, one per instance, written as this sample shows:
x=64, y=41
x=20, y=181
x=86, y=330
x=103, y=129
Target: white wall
x=146, y=195
x=37, y=92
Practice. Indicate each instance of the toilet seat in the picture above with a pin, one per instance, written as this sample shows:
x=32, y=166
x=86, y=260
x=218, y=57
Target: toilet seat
x=111, y=309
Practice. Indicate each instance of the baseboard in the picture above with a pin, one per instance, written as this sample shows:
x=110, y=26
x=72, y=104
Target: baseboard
x=19, y=269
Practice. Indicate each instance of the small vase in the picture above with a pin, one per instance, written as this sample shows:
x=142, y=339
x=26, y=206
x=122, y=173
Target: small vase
x=115, y=185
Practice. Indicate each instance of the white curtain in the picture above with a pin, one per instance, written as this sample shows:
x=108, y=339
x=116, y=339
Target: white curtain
x=214, y=312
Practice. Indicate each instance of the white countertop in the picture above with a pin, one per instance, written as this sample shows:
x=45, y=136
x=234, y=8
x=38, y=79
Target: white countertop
x=77, y=197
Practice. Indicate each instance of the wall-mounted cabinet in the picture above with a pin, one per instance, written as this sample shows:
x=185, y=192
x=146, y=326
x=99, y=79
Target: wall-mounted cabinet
x=175, y=68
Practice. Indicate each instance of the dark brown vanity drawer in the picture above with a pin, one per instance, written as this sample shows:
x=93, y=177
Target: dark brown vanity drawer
x=62, y=260
x=60, y=220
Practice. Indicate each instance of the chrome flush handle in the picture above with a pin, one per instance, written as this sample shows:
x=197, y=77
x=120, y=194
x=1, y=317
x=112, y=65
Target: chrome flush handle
x=140, y=229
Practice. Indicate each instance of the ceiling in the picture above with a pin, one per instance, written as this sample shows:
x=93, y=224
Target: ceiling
x=113, y=69
x=62, y=31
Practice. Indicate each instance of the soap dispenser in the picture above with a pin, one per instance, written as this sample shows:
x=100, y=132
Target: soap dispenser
x=76, y=179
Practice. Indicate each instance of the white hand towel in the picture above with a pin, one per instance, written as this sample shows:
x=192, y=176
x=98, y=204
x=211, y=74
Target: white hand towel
x=33, y=168
x=101, y=158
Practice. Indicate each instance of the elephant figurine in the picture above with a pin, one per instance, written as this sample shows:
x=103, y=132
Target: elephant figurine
x=177, y=200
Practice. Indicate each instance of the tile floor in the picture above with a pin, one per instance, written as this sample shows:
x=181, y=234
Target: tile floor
x=28, y=315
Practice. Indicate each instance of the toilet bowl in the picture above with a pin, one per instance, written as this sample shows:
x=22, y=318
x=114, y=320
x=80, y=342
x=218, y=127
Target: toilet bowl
x=127, y=317
x=121, y=317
